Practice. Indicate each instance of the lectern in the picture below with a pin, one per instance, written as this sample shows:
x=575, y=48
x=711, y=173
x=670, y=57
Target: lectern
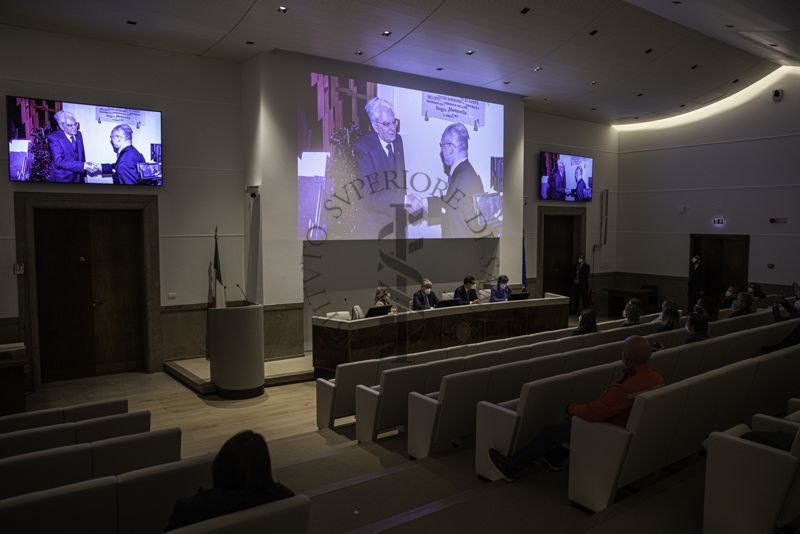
x=236, y=350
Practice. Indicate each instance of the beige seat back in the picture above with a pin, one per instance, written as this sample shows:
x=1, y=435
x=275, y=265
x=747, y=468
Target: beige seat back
x=396, y=384
x=127, y=453
x=458, y=398
x=506, y=381
x=36, y=439
x=286, y=515
x=542, y=403
x=437, y=370
x=513, y=354
x=111, y=426
x=49, y=468
x=480, y=361
x=348, y=376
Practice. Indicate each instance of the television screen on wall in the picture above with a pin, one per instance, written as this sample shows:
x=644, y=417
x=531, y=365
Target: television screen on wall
x=67, y=142
x=565, y=177
x=377, y=161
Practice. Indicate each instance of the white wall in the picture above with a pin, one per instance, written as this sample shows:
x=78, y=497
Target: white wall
x=741, y=164
x=550, y=133
x=203, y=170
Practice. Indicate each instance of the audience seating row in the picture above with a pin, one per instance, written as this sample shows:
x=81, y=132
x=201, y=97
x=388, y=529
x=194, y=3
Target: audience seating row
x=670, y=423
x=336, y=398
x=435, y=421
x=140, y=502
x=507, y=426
x=751, y=487
x=59, y=435
x=56, y=416
x=50, y=468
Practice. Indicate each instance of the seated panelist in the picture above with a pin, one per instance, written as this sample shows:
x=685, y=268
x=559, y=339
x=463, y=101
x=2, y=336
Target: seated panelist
x=466, y=293
x=382, y=296
x=501, y=292
x=425, y=298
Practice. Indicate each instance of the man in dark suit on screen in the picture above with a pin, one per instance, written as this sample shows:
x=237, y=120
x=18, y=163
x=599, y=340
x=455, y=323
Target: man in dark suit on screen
x=381, y=166
x=460, y=218
x=66, y=148
x=125, y=171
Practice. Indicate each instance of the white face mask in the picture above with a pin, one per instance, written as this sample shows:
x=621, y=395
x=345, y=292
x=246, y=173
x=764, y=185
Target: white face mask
x=749, y=289
x=427, y=290
x=694, y=260
x=624, y=314
x=728, y=293
x=502, y=286
x=689, y=330
x=797, y=304
x=580, y=260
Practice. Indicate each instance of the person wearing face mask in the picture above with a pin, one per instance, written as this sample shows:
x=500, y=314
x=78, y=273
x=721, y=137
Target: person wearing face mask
x=632, y=312
x=755, y=289
x=696, y=327
x=667, y=304
x=781, y=302
x=743, y=305
x=501, y=292
x=425, y=298
x=466, y=293
x=708, y=307
x=697, y=279
x=730, y=296
x=587, y=323
x=580, y=285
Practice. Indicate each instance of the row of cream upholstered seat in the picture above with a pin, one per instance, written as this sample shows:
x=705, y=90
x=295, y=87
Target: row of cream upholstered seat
x=435, y=421
x=67, y=414
x=336, y=398
x=507, y=426
x=751, y=487
x=671, y=422
x=59, y=435
x=384, y=407
x=140, y=502
x=50, y=468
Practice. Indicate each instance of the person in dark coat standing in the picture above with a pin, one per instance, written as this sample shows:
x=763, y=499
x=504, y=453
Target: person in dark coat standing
x=580, y=285
x=697, y=280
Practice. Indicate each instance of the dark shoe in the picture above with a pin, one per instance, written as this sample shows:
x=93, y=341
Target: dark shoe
x=500, y=463
x=556, y=459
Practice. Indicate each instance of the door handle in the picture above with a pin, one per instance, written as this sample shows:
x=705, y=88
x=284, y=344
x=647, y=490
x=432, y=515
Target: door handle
x=95, y=302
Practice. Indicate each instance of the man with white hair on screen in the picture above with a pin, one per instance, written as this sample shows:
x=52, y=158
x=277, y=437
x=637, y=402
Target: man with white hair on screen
x=66, y=149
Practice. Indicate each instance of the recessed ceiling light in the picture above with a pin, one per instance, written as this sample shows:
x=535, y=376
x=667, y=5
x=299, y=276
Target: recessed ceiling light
x=640, y=94
x=730, y=26
x=359, y=52
x=249, y=42
x=386, y=33
x=439, y=68
x=546, y=98
x=525, y=10
x=506, y=82
x=683, y=105
x=773, y=44
x=637, y=118
x=694, y=66
x=595, y=82
x=593, y=32
x=469, y=52
x=735, y=81
x=649, y=50
x=131, y=22
x=537, y=69
x=594, y=109
x=283, y=9
x=677, y=2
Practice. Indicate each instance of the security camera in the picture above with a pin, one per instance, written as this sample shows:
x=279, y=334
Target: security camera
x=777, y=95
x=251, y=190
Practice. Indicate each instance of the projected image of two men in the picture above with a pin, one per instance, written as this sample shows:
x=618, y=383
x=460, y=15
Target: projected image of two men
x=383, y=162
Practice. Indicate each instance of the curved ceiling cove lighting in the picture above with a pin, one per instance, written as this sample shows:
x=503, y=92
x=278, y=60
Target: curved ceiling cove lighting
x=716, y=108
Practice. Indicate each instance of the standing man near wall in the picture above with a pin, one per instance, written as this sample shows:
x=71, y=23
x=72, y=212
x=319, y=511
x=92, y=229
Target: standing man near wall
x=697, y=281
x=580, y=285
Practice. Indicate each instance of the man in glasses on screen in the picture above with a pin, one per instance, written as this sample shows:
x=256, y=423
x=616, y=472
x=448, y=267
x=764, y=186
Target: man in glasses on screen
x=125, y=171
x=66, y=148
x=460, y=217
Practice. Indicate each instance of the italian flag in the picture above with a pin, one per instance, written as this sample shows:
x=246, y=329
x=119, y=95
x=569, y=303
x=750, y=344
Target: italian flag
x=218, y=289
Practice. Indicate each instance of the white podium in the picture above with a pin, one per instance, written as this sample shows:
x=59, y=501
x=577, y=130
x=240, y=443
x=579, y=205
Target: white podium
x=236, y=350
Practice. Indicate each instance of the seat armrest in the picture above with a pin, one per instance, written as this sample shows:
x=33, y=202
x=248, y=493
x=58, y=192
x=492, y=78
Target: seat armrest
x=767, y=423
x=368, y=402
x=597, y=454
x=423, y=416
x=495, y=428
x=793, y=405
x=326, y=395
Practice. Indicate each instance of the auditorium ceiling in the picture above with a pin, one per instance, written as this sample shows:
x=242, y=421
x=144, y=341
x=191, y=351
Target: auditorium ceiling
x=606, y=61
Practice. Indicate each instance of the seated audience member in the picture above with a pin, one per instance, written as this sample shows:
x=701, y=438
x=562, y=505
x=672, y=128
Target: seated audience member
x=664, y=305
x=793, y=337
x=743, y=305
x=697, y=327
x=613, y=406
x=781, y=302
x=382, y=296
x=670, y=320
x=501, y=292
x=729, y=298
x=632, y=312
x=466, y=293
x=242, y=478
x=587, y=323
x=708, y=307
x=755, y=289
x=425, y=298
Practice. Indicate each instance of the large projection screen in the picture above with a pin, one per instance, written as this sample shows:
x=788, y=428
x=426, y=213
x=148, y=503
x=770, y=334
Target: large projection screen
x=416, y=165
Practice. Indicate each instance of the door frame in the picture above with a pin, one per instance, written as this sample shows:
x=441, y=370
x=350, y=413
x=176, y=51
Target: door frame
x=578, y=237
x=147, y=205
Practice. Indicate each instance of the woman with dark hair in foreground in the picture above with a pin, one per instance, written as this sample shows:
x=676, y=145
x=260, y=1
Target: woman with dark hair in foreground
x=242, y=477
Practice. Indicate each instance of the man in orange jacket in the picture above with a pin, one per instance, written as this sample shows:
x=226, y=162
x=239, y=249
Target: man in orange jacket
x=613, y=406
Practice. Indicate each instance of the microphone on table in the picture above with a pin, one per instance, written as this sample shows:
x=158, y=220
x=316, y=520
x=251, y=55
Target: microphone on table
x=243, y=293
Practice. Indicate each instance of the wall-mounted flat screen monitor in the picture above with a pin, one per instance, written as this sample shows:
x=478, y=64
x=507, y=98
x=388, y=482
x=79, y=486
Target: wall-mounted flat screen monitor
x=67, y=142
x=377, y=161
x=565, y=177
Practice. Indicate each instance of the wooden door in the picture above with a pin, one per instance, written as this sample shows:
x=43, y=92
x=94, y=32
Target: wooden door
x=89, y=267
x=558, y=249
